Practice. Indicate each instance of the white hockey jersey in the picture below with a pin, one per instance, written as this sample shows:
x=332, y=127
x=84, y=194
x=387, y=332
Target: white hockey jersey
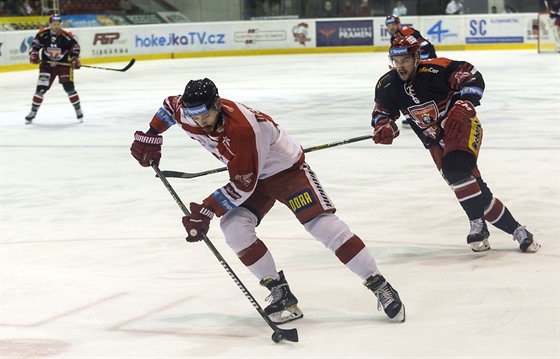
x=251, y=145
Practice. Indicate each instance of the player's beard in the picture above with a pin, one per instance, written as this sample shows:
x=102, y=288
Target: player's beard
x=216, y=128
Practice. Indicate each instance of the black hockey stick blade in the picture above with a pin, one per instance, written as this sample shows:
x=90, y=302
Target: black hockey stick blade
x=290, y=335
x=132, y=61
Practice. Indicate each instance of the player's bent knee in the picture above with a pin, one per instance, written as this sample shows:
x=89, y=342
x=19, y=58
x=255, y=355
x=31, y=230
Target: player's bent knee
x=238, y=226
x=457, y=165
x=40, y=90
x=69, y=88
x=329, y=230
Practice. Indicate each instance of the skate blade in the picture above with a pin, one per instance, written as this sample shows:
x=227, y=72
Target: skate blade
x=481, y=246
x=533, y=247
x=401, y=315
x=287, y=315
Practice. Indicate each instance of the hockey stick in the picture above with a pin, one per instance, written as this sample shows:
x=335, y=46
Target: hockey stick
x=178, y=174
x=279, y=334
x=97, y=67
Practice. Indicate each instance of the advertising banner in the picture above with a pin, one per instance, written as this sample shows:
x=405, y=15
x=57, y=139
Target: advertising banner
x=495, y=29
x=103, y=41
x=107, y=40
x=344, y=33
x=12, y=23
x=15, y=45
x=273, y=34
x=184, y=38
x=446, y=30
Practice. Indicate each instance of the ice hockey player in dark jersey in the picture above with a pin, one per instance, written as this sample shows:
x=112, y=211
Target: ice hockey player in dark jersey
x=53, y=49
x=265, y=165
x=393, y=24
x=438, y=99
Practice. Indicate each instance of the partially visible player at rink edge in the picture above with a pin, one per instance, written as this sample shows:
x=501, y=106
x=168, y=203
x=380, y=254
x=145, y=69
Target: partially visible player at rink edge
x=53, y=49
x=265, y=165
x=438, y=98
x=395, y=28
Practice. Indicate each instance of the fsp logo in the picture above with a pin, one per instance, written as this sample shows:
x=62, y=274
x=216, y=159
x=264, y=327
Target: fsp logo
x=106, y=38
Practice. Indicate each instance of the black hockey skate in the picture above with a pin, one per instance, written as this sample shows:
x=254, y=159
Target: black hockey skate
x=387, y=298
x=283, y=304
x=29, y=118
x=525, y=238
x=478, y=236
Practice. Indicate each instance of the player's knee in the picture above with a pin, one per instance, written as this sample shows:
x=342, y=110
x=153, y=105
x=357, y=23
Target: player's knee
x=238, y=227
x=457, y=165
x=69, y=88
x=40, y=90
x=329, y=230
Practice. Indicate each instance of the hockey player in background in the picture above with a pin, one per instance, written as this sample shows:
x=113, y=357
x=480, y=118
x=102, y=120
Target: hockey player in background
x=427, y=50
x=265, y=165
x=554, y=15
x=393, y=25
x=438, y=99
x=53, y=49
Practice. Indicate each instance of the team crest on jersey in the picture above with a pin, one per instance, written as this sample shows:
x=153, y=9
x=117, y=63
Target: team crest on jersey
x=302, y=200
x=245, y=180
x=424, y=115
x=54, y=53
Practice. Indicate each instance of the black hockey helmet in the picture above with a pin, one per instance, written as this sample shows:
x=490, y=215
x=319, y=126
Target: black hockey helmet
x=55, y=17
x=404, y=45
x=392, y=19
x=200, y=96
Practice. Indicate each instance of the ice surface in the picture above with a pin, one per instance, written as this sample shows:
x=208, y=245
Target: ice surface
x=93, y=258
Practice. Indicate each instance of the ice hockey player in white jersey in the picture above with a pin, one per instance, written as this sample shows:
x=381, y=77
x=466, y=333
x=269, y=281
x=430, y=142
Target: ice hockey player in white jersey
x=265, y=165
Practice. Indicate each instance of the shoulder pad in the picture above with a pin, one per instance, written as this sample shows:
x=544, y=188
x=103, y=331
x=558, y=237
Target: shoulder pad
x=438, y=61
x=406, y=30
x=386, y=80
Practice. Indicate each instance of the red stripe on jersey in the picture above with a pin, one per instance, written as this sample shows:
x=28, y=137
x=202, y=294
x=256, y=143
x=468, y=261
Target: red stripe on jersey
x=253, y=253
x=349, y=249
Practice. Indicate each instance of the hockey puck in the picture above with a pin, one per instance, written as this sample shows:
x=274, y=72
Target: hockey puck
x=277, y=337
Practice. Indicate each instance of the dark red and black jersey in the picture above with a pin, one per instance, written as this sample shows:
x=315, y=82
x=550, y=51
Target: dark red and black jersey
x=425, y=100
x=427, y=50
x=55, y=47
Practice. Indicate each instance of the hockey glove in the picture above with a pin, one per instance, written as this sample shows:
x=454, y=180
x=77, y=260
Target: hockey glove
x=75, y=63
x=385, y=131
x=198, y=222
x=34, y=57
x=146, y=148
x=458, y=120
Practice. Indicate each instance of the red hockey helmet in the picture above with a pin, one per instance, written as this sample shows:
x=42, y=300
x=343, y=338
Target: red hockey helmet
x=404, y=45
x=55, y=17
x=392, y=19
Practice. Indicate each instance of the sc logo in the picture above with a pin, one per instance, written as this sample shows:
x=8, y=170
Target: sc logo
x=477, y=27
